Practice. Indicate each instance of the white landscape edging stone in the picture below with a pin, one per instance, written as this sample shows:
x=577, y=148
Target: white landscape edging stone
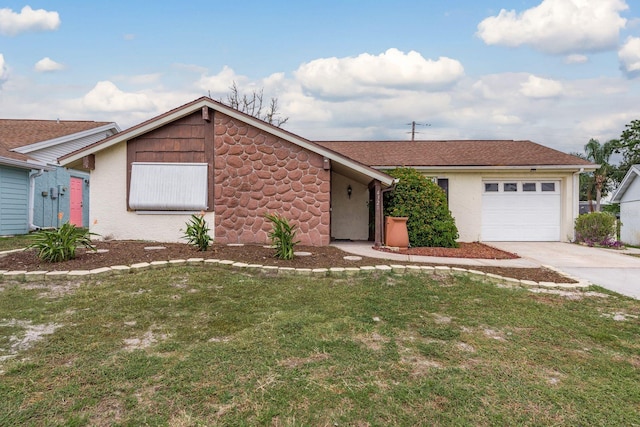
x=31, y=276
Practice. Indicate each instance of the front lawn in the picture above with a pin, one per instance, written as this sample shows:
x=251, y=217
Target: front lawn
x=191, y=346
x=15, y=242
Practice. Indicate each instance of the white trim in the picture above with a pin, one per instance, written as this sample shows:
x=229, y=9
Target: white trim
x=167, y=212
x=633, y=171
x=22, y=164
x=66, y=138
x=529, y=168
x=259, y=124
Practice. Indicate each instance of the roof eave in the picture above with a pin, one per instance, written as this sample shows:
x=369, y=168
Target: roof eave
x=567, y=168
x=66, y=138
x=259, y=124
x=22, y=164
x=628, y=179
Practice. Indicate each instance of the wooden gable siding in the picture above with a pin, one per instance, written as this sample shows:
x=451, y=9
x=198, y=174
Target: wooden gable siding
x=186, y=140
x=258, y=173
x=14, y=202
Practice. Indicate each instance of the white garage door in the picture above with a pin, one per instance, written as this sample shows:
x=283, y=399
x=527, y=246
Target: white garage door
x=521, y=211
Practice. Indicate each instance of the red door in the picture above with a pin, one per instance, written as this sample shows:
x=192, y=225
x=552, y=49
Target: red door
x=75, y=199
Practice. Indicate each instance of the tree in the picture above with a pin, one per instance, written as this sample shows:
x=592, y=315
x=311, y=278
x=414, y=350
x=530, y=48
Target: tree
x=425, y=204
x=629, y=146
x=253, y=105
x=600, y=179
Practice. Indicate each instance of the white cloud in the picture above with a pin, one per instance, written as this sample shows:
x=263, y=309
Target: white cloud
x=220, y=83
x=629, y=56
x=106, y=97
x=537, y=87
x=505, y=119
x=378, y=75
x=561, y=113
x=12, y=23
x=47, y=64
x=576, y=59
x=4, y=72
x=558, y=26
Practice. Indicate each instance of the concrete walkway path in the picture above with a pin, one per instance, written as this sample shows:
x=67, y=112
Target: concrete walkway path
x=364, y=248
x=612, y=269
x=616, y=270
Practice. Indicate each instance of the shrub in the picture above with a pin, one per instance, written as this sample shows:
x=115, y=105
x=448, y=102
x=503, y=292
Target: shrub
x=282, y=236
x=596, y=228
x=197, y=233
x=425, y=204
x=60, y=244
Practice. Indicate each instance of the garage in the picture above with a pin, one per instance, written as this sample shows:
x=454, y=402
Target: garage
x=521, y=211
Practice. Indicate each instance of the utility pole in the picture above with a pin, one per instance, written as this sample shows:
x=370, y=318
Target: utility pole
x=413, y=128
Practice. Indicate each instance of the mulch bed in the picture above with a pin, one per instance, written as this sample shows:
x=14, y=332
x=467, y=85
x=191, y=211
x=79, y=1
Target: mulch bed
x=131, y=252
x=464, y=250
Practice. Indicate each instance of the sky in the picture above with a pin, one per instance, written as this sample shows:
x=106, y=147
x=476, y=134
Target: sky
x=556, y=72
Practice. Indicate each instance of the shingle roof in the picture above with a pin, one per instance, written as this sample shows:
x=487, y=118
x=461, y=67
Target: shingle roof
x=453, y=153
x=16, y=133
x=353, y=165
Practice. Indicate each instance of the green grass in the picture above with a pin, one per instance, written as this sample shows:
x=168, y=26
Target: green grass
x=15, y=242
x=207, y=346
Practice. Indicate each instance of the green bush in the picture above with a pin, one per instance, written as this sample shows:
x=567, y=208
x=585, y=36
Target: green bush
x=425, y=204
x=282, y=236
x=60, y=244
x=596, y=228
x=197, y=233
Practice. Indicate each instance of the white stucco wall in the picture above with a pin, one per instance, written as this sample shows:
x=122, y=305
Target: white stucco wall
x=108, y=212
x=630, y=214
x=465, y=198
x=349, y=216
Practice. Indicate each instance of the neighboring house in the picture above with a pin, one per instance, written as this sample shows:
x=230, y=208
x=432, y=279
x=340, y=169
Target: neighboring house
x=34, y=191
x=628, y=195
x=204, y=156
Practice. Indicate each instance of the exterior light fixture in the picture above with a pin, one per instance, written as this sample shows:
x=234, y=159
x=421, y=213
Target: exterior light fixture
x=349, y=191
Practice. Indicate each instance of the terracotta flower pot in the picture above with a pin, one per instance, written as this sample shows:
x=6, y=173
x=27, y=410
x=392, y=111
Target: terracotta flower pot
x=396, y=234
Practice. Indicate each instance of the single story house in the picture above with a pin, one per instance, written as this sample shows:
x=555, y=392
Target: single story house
x=34, y=191
x=628, y=195
x=207, y=157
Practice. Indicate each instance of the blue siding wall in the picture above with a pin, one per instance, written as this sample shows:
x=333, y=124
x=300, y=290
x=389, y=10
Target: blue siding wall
x=14, y=201
x=46, y=208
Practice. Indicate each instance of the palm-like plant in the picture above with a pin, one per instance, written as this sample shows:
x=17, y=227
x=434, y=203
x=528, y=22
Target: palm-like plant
x=600, y=154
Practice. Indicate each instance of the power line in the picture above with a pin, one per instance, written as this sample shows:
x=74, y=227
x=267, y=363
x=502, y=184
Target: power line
x=413, y=128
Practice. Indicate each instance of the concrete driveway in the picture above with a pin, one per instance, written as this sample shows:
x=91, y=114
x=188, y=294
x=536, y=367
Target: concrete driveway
x=610, y=268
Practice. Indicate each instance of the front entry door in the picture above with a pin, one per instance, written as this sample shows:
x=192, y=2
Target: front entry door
x=75, y=201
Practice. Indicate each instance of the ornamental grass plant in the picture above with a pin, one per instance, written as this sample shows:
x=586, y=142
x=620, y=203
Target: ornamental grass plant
x=61, y=243
x=282, y=236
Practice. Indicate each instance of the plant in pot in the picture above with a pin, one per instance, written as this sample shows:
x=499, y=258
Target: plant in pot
x=424, y=204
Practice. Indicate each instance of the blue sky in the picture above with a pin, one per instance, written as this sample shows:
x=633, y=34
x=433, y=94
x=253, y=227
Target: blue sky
x=557, y=72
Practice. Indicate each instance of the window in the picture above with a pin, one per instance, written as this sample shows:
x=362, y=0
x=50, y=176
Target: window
x=510, y=187
x=444, y=184
x=529, y=186
x=491, y=187
x=548, y=186
x=168, y=186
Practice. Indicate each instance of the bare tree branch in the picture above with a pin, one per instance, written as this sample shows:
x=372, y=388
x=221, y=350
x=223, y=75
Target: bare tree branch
x=253, y=105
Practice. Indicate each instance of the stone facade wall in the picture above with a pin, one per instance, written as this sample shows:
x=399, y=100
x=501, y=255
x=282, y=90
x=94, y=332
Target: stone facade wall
x=257, y=173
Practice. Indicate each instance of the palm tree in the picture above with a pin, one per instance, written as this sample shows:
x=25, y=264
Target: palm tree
x=600, y=154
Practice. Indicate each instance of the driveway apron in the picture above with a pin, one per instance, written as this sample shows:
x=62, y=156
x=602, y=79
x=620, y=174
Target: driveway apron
x=612, y=269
